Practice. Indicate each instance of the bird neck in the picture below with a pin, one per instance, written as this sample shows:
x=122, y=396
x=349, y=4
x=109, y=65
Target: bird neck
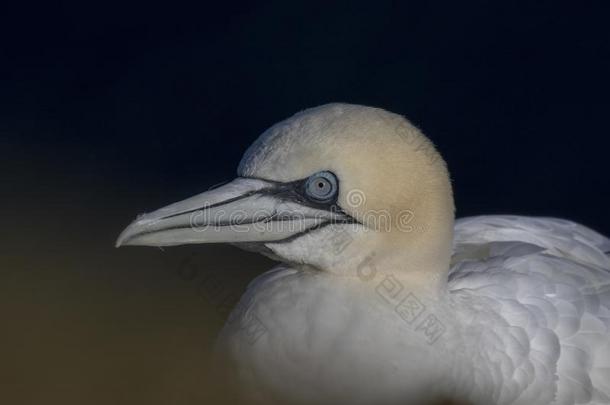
x=422, y=255
x=422, y=268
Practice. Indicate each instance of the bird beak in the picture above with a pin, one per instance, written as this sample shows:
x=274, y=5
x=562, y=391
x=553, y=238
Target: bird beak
x=244, y=210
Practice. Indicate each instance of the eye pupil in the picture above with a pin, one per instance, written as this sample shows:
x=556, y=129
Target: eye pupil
x=322, y=187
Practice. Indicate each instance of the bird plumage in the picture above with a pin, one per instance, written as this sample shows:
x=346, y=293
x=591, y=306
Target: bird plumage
x=381, y=298
x=544, y=287
x=525, y=320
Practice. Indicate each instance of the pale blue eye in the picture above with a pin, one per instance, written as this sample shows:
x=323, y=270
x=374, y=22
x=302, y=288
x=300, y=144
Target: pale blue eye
x=322, y=187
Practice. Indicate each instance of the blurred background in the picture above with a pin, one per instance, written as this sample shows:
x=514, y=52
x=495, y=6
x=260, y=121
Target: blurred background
x=107, y=111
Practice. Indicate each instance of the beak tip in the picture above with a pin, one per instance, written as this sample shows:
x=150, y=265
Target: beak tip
x=125, y=237
x=120, y=241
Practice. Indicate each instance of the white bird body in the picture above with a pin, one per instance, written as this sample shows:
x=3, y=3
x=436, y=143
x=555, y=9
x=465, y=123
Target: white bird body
x=525, y=320
x=381, y=298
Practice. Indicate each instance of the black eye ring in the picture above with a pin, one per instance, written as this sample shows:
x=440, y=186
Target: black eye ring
x=322, y=187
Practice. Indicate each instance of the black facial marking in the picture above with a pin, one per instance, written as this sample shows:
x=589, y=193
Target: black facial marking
x=295, y=191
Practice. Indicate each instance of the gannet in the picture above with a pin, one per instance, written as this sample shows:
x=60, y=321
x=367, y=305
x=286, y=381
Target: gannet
x=380, y=296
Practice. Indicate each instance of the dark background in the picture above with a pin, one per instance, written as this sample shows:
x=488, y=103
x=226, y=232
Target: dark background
x=107, y=111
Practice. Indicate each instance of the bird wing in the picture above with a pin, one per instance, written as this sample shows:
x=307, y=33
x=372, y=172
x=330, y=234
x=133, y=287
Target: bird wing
x=535, y=294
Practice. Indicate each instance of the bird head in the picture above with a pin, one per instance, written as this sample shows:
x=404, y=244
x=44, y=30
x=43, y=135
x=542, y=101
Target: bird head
x=330, y=188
